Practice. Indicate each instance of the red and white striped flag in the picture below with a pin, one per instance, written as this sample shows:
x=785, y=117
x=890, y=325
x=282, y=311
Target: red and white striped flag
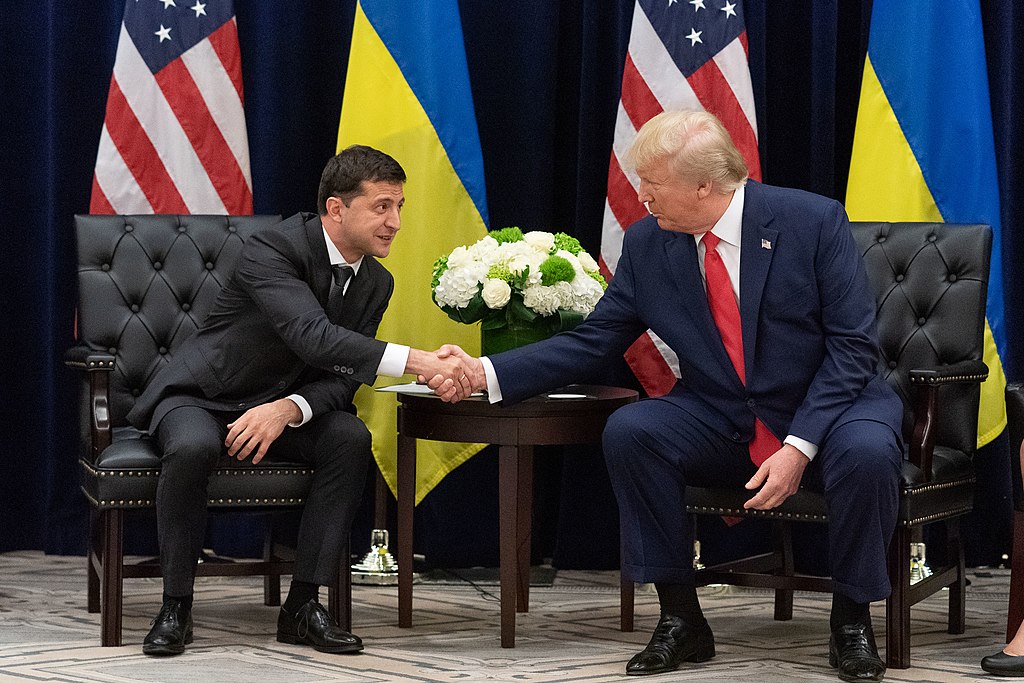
x=682, y=55
x=174, y=138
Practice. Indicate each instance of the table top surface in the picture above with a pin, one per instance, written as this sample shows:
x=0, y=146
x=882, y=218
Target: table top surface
x=569, y=400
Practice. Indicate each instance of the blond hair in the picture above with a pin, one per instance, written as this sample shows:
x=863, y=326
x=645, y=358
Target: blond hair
x=697, y=145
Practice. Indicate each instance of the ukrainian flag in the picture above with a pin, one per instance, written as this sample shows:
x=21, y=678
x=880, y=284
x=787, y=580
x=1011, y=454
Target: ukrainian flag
x=923, y=149
x=407, y=94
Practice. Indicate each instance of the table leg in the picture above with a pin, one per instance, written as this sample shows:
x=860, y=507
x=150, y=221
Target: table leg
x=508, y=485
x=524, y=522
x=406, y=503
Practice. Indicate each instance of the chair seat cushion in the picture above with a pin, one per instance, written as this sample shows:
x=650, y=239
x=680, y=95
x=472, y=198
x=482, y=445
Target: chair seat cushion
x=125, y=476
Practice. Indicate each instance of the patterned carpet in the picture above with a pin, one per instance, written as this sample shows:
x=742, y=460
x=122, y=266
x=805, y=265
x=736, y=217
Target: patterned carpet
x=570, y=634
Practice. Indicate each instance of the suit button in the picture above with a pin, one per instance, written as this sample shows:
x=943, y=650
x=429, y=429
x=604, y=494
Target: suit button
x=280, y=385
x=337, y=368
x=350, y=371
x=751, y=403
x=241, y=406
x=735, y=436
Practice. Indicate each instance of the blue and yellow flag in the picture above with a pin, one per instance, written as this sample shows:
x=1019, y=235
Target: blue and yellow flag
x=923, y=149
x=407, y=94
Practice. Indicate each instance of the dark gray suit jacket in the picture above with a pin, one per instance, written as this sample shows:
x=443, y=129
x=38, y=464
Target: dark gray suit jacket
x=268, y=334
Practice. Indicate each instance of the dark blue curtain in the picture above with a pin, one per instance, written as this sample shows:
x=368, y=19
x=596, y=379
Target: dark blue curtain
x=545, y=79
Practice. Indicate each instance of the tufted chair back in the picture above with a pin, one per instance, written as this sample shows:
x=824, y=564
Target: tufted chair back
x=146, y=283
x=923, y=276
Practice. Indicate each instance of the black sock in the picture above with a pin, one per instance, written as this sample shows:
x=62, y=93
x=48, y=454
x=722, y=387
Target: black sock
x=846, y=611
x=184, y=600
x=299, y=594
x=680, y=600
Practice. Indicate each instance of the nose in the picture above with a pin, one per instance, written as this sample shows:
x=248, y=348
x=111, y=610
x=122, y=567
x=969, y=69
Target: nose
x=394, y=219
x=643, y=192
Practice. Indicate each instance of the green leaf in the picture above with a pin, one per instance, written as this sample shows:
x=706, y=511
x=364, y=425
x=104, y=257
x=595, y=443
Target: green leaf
x=568, y=319
x=518, y=309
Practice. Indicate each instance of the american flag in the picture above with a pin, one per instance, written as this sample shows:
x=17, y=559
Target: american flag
x=682, y=55
x=174, y=138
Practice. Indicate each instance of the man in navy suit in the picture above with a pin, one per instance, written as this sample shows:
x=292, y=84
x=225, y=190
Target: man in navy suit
x=774, y=327
x=271, y=371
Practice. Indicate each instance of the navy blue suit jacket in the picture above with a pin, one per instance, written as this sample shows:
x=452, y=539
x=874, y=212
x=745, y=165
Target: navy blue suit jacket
x=809, y=338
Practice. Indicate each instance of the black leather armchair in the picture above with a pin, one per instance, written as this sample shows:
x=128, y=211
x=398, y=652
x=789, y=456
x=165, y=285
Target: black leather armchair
x=1015, y=426
x=145, y=283
x=930, y=281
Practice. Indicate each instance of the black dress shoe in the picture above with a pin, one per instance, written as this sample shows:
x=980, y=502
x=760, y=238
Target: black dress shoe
x=674, y=642
x=851, y=649
x=1002, y=664
x=312, y=625
x=171, y=632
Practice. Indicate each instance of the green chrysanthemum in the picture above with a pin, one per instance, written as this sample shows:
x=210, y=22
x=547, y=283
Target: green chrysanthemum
x=500, y=271
x=512, y=234
x=556, y=269
x=440, y=265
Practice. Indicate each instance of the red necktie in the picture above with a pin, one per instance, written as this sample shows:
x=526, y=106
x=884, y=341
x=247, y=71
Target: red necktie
x=726, y=313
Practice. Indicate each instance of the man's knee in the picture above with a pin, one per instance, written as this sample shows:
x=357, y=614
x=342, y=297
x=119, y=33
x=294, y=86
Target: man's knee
x=347, y=433
x=864, y=453
x=624, y=428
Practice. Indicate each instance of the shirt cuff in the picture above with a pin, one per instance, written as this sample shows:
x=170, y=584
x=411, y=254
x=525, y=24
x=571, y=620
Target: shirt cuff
x=303, y=404
x=394, y=360
x=493, y=390
x=806, y=447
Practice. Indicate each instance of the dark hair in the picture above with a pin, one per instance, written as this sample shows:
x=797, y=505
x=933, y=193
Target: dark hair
x=345, y=172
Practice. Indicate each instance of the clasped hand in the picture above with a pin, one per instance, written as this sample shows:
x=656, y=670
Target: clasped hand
x=779, y=478
x=459, y=374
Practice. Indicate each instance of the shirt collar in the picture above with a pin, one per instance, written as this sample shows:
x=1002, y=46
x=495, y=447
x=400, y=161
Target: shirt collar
x=730, y=226
x=335, y=257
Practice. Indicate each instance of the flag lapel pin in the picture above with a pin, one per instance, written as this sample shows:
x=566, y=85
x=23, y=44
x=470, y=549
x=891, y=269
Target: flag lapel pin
x=765, y=244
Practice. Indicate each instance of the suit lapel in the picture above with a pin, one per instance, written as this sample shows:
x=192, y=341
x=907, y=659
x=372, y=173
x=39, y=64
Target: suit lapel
x=320, y=273
x=758, y=245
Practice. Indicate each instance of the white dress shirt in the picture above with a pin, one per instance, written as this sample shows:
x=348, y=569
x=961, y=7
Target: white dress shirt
x=728, y=229
x=392, y=363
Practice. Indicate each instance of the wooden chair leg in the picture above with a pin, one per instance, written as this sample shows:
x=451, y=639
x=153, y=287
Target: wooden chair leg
x=91, y=557
x=1015, y=610
x=958, y=589
x=271, y=582
x=339, y=594
x=627, y=591
x=784, y=596
x=897, y=606
x=112, y=561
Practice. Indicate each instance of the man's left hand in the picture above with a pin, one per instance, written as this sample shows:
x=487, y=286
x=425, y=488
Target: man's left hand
x=780, y=474
x=258, y=427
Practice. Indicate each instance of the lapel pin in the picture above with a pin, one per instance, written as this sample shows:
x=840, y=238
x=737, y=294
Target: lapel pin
x=765, y=244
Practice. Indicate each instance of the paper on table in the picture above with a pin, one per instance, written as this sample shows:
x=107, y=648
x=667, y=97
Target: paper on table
x=414, y=388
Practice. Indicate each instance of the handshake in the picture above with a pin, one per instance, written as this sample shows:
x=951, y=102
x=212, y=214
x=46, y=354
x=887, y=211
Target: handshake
x=451, y=372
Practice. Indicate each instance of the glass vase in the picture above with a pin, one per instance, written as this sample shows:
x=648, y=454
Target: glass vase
x=515, y=334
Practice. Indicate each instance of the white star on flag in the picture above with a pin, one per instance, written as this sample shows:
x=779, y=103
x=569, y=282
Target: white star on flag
x=168, y=3
x=729, y=9
x=697, y=5
x=695, y=37
x=164, y=33
x=199, y=8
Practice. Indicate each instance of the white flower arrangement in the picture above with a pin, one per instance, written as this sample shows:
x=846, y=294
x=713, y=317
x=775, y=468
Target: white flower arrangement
x=509, y=278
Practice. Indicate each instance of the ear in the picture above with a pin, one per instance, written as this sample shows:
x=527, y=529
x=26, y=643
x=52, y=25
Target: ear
x=704, y=189
x=336, y=209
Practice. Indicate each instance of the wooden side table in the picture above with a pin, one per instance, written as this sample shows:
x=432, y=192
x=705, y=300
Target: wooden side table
x=539, y=421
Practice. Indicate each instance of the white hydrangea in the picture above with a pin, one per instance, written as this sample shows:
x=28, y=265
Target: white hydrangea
x=460, y=257
x=457, y=286
x=543, y=300
x=486, y=250
x=496, y=293
x=568, y=256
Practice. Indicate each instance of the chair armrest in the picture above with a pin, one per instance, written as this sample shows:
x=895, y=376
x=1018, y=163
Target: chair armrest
x=97, y=367
x=926, y=405
x=964, y=372
x=1015, y=429
x=83, y=358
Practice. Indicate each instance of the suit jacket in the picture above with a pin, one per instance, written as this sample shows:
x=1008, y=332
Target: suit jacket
x=808, y=317
x=268, y=335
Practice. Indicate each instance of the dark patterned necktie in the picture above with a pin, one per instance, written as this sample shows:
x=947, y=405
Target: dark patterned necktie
x=342, y=273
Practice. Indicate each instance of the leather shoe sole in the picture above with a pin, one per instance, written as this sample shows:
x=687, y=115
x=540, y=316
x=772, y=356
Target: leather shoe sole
x=291, y=639
x=697, y=656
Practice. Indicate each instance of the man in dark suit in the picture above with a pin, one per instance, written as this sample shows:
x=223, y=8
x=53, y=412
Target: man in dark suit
x=271, y=372
x=761, y=293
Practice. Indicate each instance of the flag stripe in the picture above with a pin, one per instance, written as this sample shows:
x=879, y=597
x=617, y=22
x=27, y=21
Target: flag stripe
x=225, y=108
x=205, y=137
x=140, y=156
x=120, y=190
x=622, y=196
x=224, y=42
x=637, y=99
x=99, y=203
